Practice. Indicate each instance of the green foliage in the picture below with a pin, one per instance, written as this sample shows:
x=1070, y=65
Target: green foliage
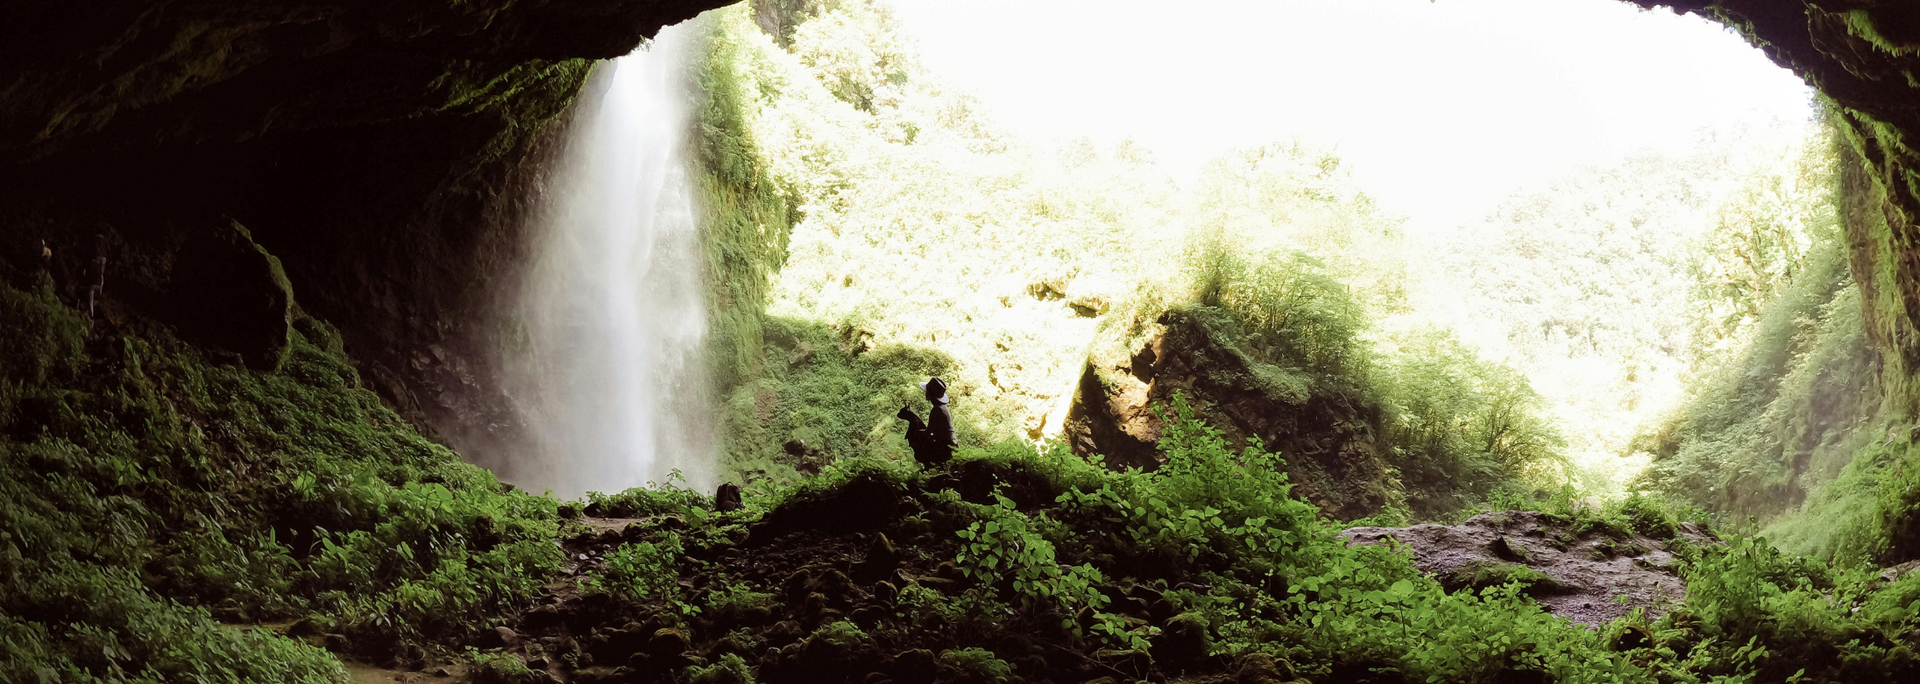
x=1462, y=426
x=1802, y=618
x=896, y=235
x=500, y=668
x=1277, y=201
x=971, y=617
x=975, y=666
x=42, y=342
x=148, y=492
x=1762, y=238
x=641, y=572
x=1607, y=287
x=1480, y=574
x=1786, y=413
x=824, y=392
x=1206, y=506
x=641, y=502
x=1455, y=424
x=1290, y=313
x=747, y=215
x=1003, y=550
x=729, y=669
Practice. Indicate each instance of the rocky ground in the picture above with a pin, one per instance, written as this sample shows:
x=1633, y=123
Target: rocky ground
x=840, y=571
x=1589, y=575
x=836, y=570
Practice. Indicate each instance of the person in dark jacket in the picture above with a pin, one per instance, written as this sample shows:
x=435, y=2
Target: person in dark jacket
x=727, y=498
x=932, y=441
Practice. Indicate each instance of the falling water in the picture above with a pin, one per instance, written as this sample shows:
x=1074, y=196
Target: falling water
x=606, y=373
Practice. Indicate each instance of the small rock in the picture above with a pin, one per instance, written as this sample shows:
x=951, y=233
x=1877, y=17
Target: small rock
x=1507, y=550
x=727, y=498
x=1184, y=642
x=667, y=642
x=1260, y=668
x=507, y=636
x=917, y=665
x=542, y=617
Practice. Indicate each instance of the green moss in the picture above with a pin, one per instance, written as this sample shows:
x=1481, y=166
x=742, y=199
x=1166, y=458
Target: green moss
x=1483, y=574
x=148, y=491
x=748, y=217
x=1862, y=24
x=975, y=666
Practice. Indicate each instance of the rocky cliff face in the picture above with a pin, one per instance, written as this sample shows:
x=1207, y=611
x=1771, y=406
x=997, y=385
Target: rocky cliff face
x=1327, y=439
x=379, y=150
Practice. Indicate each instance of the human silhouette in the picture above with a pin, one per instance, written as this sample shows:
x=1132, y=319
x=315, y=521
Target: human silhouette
x=727, y=499
x=933, y=440
x=99, y=276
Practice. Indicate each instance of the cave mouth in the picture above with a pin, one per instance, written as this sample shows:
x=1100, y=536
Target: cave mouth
x=1565, y=187
x=256, y=263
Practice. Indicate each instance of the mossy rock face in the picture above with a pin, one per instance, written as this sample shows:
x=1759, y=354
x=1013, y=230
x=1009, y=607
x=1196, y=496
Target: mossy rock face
x=1328, y=434
x=1481, y=574
x=231, y=294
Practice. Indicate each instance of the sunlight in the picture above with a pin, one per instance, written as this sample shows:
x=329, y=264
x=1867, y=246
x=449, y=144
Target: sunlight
x=1443, y=107
x=1481, y=124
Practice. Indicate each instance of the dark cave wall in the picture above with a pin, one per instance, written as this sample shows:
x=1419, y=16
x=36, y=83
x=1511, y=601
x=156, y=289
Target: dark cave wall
x=383, y=151
x=125, y=72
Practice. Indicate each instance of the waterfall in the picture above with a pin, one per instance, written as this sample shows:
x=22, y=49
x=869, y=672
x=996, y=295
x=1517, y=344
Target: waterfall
x=605, y=368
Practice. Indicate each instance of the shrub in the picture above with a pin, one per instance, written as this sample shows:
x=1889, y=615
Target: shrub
x=974, y=666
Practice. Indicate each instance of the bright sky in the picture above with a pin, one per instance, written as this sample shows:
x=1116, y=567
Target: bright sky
x=1444, y=108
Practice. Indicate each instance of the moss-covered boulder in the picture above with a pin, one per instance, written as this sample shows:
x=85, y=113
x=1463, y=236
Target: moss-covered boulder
x=230, y=294
x=1327, y=433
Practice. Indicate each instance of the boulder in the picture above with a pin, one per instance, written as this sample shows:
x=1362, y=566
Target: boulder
x=1574, y=572
x=1327, y=434
x=230, y=294
x=1182, y=644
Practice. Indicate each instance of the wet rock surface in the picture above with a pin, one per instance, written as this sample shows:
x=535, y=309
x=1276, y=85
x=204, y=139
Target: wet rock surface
x=1575, y=571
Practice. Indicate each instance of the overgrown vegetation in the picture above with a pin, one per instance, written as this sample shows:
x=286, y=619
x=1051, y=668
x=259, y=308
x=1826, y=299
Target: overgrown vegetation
x=1784, y=420
x=1035, y=565
x=925, y=242
x=921, y=242
x=167, y=514
x=157, y=502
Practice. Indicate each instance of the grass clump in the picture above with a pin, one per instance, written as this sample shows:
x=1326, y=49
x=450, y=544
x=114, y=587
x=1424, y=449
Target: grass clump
x=1483, y=574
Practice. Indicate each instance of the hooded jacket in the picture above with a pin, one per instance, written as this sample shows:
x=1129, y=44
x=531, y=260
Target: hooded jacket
x=939, y=420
